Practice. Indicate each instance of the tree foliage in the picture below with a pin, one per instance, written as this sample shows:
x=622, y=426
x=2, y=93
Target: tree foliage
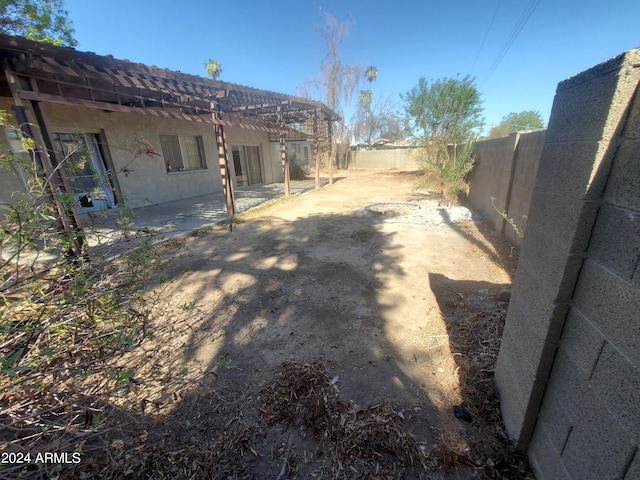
x=525, y=120
x=214, y=68
x=448, y=110
x=371, y=74
x=40, y=20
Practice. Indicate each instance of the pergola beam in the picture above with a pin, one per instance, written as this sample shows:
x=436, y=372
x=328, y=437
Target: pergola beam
x=51, y=74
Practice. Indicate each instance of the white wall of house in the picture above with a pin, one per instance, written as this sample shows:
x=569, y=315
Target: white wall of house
x=147, y=180
x=12, y=187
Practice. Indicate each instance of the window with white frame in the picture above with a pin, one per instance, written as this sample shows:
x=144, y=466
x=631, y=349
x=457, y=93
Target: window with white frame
x=182, y=152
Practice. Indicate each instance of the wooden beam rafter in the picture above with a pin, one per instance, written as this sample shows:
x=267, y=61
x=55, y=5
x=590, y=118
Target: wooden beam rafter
x=85, y=79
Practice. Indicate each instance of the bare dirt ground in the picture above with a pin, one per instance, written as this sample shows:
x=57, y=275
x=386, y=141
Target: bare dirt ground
x=338, y=305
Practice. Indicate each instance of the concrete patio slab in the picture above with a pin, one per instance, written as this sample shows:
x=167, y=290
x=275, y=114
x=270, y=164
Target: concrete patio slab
x=116, y=231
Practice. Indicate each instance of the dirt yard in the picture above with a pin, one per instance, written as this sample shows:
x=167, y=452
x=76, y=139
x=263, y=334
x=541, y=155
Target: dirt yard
x=353, y=288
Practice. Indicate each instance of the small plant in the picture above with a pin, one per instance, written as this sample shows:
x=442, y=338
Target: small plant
x=510, y=221
x=188, y=306
x=233, y=221
x=227, y=364
x=364, y=235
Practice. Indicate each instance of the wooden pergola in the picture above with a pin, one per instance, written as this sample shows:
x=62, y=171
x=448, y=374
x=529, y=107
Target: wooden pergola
x=37, y=73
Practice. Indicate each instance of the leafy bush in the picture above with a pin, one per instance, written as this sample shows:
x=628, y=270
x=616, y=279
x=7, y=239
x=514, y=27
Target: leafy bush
x=447, y=169
x=296, y=170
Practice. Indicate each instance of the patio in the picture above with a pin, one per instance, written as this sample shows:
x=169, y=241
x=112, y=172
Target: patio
x=116, y=231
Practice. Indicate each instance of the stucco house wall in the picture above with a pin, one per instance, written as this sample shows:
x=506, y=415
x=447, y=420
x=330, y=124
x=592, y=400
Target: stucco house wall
x=146, y=180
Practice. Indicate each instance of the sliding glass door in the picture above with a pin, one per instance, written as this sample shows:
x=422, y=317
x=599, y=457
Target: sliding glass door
x=247, y=164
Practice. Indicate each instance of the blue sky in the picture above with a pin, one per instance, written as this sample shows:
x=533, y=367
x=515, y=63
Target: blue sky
x=275, y=45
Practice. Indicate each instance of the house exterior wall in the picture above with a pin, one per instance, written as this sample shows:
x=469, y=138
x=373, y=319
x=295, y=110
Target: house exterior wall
x=308, y=165
x=147, y=181
x=569, y=364
x=11, y=186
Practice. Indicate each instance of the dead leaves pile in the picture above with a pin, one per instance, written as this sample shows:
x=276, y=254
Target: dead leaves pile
x=475, y=342
x=366, y=443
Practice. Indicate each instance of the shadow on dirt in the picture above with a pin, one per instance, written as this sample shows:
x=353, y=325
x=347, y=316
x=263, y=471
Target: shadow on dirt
x=496, y=247
x=475, y=322
x=235, y=306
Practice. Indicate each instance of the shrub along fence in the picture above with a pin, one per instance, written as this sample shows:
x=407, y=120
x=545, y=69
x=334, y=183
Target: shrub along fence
x=505, y=171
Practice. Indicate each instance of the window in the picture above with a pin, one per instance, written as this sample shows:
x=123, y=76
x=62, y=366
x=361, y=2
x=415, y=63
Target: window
x=182, y=152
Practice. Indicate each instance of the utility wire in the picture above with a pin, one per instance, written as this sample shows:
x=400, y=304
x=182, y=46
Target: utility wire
x=486, y=34
x=524, y=18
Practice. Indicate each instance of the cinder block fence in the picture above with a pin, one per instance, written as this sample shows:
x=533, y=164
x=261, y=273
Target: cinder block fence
x=568, y=372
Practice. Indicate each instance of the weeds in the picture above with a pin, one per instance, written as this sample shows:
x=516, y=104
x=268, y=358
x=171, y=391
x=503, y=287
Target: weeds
x=510, y=221
x=67, y=316
x=447, y=169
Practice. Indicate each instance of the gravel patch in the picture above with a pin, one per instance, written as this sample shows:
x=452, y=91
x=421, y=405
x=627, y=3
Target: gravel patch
x=411, y=213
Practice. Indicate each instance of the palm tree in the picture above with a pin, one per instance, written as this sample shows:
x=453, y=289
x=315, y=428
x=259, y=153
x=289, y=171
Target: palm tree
x=371, y=73
x=365, y=98
x=213, y=68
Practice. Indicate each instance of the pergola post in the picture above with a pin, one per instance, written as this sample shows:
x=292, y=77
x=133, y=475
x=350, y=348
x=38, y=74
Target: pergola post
x=225, y=173
x=285, y=160
x=46, y=157
x=316, y=156
x=330, y=146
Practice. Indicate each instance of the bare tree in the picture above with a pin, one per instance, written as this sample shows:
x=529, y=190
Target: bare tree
x=376, y=120
x=339, y=82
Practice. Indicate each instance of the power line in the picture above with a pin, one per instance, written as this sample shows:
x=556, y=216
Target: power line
x=524, y=18
x=486, y=34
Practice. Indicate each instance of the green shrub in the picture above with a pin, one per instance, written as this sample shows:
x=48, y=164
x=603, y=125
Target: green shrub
x=447, y=169
x=296, y=170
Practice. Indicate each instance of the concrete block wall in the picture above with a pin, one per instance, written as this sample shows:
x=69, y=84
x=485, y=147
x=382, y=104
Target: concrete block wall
x=400, y=158
x=525, y=170
x=568, y=372
x=491, y=177
x=506, y=169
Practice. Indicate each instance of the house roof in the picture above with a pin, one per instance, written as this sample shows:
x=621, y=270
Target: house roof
x=64, y=75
